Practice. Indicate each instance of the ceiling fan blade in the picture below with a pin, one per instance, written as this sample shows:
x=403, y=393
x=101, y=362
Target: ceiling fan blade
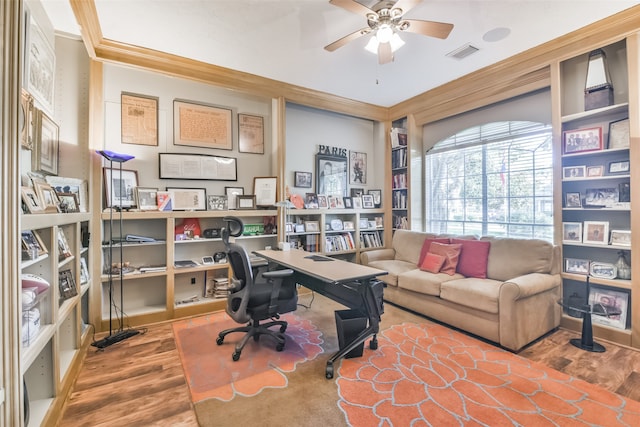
x=352, y=6
x=385, y=55
x=406, y=5
x=346, y=39
x=440, y=30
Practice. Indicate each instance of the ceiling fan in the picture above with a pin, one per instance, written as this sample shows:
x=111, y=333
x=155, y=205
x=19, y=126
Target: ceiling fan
x=385, y=21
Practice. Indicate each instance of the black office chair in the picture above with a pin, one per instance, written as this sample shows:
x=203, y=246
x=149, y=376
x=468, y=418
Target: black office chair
x=253, y=299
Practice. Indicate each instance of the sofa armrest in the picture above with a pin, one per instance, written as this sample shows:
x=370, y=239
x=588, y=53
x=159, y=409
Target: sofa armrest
x=377, y=255
x=528, y=285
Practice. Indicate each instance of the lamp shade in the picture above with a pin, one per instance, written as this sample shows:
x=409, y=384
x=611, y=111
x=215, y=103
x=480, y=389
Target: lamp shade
x=598, y=90
x=112, y=156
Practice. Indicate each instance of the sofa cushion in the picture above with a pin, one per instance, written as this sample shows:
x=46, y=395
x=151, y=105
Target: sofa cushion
x=481, y=294
x=511, y=257
x=451, y=254
x=432, y=263
x=393, y=268
x=473, y=257
x=408, y=243
x=424, y=282
x=427, y=244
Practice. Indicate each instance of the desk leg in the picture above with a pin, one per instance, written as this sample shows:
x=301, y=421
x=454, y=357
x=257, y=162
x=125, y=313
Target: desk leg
x=586, y=341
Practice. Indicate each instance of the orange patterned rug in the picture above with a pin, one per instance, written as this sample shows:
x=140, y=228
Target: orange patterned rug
x=212, y=374
x=429, y=375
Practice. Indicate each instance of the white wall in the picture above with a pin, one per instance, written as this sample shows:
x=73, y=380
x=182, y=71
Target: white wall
x=307, y=128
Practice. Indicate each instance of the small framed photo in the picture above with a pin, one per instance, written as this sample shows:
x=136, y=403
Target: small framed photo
x=216, y=202
x=348, y=202
x=323, y=203
x=68, y=202
x=577, y=266
x=603, y=197
x=48, y=196
x=311, y=226
x=603, y=270
x=119, y=187
x=582, y=140
x=357, y=202
x=348, y=225
x=247, y=201
x=188, y=199
x=377, y=197
x=339, y=202
x=357, y=192
x=31, y=201
x=265, y=190
x=311, y=201
x=609, y=301
x=593, y=171
x=33, y=244
x=64, y=250
x=302, y=179
x=364, y=223
x=574, y=172
x=619, y=167
x=367, y=201
x=619, y=134
x=84, y=271
x=621, y=237
x=146, y=198
x=596, y=232
x=67, y=284
x=298, y=228
x=46, y=156
x=572, y=200
x=232, y=194
x=572, y=232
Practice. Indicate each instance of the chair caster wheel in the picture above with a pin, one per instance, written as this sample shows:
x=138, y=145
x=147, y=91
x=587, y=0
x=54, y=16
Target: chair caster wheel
x=329, y=372
x=235, y=356
x=283, y=328
x=279, y=347
x=373, y=344
x=219, y=340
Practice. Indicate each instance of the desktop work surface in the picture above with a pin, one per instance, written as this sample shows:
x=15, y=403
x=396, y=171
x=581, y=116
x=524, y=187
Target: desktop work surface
x=352, y=285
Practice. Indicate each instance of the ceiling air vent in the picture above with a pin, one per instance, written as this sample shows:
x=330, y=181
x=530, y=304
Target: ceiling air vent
x=463, y=51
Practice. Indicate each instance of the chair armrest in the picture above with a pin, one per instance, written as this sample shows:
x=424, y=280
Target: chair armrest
x=377, y=255
x=528, y=285
x=276, y=274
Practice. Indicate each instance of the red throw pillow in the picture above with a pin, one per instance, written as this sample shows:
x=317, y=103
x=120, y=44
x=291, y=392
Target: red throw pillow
x=432, y=263
x=473, y=257
x=427, y=244
x=451, y=253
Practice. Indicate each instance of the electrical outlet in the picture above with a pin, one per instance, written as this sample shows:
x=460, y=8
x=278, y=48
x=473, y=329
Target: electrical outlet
x=193, y=280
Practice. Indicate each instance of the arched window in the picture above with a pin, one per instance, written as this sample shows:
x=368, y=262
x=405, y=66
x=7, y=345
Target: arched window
x=494, y=179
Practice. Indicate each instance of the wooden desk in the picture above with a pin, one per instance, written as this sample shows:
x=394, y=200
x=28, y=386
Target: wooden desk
x=352, y=285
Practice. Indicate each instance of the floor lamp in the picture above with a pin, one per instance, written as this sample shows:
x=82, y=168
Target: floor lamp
x=120, y=334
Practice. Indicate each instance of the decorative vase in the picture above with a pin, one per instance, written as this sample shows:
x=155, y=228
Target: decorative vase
x=624, y=269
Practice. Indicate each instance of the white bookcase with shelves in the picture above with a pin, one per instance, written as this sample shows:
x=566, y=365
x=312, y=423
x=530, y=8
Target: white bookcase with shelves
x=400, y=179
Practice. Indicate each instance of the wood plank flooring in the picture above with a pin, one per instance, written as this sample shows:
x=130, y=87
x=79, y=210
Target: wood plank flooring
x=140, y=382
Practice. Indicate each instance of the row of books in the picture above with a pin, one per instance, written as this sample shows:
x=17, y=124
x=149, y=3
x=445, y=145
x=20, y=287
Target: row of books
x=308, y=242
x=339, y=243
x=399, y=159
x=217, y=287
x=400, y=221
x=370, y=239
x=399, y=200
x=399, y=180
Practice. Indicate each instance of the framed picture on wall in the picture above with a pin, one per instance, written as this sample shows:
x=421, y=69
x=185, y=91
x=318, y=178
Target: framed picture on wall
x=331, y=175
x=139, y=118
x=357, y=167
x=46, y=155
x=202, y=125
x=250, y=134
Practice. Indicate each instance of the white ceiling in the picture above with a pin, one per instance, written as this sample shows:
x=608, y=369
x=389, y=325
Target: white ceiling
x=284, y=39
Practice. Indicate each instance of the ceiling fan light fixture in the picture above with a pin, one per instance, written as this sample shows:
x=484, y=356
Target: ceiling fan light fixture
x=372, y=46
x=384, y=33
x=396, y=42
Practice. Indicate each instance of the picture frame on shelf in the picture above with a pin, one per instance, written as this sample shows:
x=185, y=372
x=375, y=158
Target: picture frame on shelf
x=356, y=192
x=311, y=226
x=611, y=301
x=357, y=202
x=618, y=134
x=311, y=201
x=336, y=224
x=265, y=190
x=202, y=125
x=188, y=199
x=331, y=175
x=47, y=196
x=64, y=250
x=377, y=197
x=33, y=244
x=572, y=232
x=322, y=201
x=246, y=201
x=603, y=270
x=572, y=200
x=348, y=202
x=596, y=232
x=46, y=155
x=77, y=186
x=146, y=198
x=68, y=202
x=601, y=197
x=364, y=223
x=84, y=271
x=250, y=133
x=348, y=225
x=624, y=192
x=331, y=200
x=595, y=171
x=31, y=201
x=367, y=201
x=302, y=179
x=232, y=194
x=574, y=172
x=299, y=228
x=621, y=237
x=217, y=202
x=357, y=167
x=621, y=167
x=119, y=189
x=67, y=284
x=576, y=266
x=26, y=120
x=582, y=140
x=339, y=202
x=139, y=119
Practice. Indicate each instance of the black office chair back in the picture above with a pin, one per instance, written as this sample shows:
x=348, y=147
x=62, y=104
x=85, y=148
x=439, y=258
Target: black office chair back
x=242, y=283
x=233, y=228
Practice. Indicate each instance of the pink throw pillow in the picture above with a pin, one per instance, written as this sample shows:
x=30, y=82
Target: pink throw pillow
x=473, y=257
x=451, y=253
x=432, y=263
x=427, y=244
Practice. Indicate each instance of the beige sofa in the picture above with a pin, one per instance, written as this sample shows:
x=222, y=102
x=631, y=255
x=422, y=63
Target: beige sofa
x=516, y=304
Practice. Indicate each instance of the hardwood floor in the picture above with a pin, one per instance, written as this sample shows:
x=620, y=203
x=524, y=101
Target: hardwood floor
x=140, y=382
